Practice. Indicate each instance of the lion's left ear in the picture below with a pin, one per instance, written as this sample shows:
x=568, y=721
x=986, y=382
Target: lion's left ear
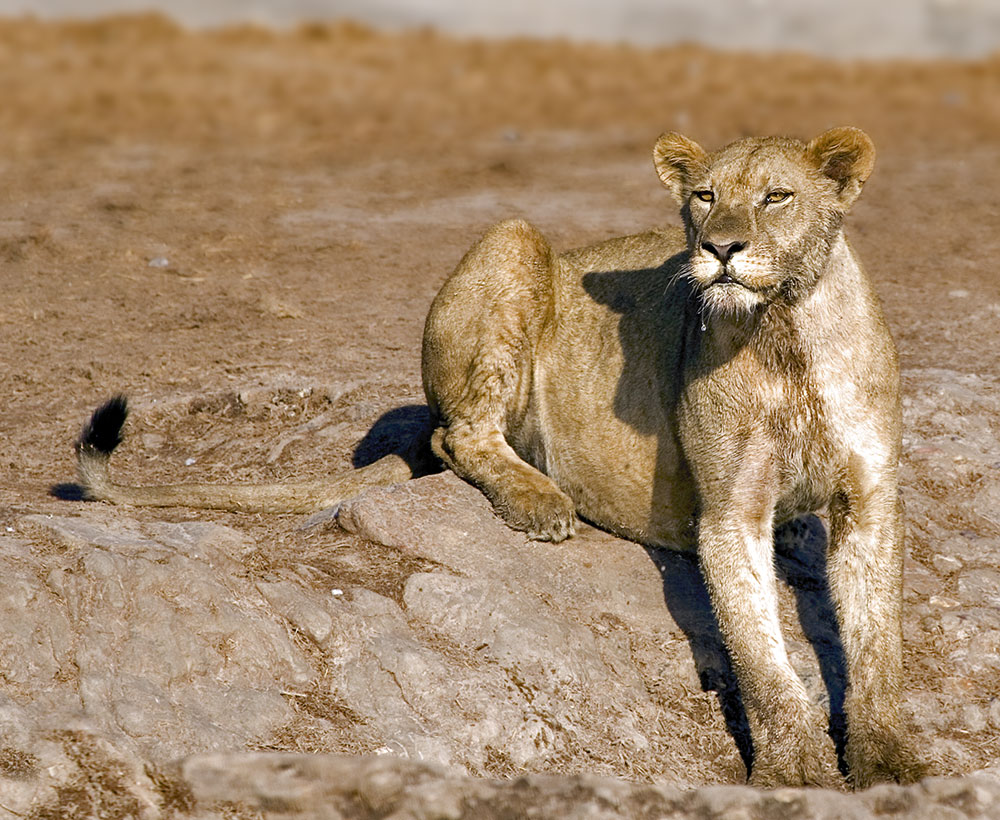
x=847, y=156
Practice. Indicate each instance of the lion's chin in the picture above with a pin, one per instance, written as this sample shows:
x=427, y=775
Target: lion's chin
x=730, y=299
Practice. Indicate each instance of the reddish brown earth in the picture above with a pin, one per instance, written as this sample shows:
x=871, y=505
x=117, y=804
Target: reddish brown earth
x=310, y=192
x=243, y=231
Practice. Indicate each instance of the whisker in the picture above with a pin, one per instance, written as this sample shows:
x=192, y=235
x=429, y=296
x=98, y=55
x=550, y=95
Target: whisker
x=683, y=271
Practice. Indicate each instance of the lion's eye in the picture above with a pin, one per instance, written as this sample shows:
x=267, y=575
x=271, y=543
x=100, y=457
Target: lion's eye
x=704, y=196
x=774, y=197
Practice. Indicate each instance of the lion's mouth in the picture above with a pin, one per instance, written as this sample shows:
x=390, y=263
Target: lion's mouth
x=726, y=278
x=729, y=281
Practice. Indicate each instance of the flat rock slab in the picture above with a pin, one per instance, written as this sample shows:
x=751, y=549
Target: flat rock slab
x=449, y=522
x=342, y=788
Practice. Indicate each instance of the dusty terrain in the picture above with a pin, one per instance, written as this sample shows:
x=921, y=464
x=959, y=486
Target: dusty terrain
x=243, y=231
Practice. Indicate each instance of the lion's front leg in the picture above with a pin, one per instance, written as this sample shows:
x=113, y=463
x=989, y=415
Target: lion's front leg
x=525, y=498
x=866, y=577
x=788, y=731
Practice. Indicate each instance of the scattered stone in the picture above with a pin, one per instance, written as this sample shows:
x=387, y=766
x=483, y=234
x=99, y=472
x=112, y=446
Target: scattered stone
x=980, y=586
x=986, y=502
x=972, y=548
x=995, y=712
x=946, y=564
x=974, y=717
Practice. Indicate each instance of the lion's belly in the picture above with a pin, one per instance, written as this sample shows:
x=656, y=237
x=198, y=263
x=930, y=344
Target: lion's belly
x=600, y=417
x=623, y=482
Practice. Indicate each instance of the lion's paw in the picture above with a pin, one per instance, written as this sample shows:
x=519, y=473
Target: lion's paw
x=801, y=756
x=547, y=515
x=882, y=757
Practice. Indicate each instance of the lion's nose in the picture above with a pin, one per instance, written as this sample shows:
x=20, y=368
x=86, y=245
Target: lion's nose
x=723, y=252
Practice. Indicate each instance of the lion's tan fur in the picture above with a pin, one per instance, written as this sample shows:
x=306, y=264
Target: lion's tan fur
x=688, y=388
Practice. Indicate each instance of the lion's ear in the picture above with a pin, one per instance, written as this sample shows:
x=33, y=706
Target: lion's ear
x=847, y=156
x=675, y=157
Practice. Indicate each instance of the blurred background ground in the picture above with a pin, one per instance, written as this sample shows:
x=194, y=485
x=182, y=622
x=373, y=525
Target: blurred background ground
x=840, y=28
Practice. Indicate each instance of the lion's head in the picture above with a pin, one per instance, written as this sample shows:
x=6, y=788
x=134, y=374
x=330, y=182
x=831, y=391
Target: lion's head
x=762, y=213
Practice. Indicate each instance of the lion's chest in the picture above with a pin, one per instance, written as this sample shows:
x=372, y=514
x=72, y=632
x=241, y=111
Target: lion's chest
x=805, y=451
x=758, y=434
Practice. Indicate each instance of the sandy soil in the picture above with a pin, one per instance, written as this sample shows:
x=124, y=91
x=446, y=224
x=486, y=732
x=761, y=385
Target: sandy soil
x=243, y=230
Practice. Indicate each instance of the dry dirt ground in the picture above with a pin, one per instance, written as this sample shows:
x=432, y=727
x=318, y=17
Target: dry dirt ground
x=243, y=230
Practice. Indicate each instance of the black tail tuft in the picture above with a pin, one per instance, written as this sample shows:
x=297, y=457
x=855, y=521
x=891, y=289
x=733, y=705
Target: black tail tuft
x=104, y=430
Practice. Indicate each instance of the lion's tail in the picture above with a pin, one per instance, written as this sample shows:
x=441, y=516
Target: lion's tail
x=103, y=433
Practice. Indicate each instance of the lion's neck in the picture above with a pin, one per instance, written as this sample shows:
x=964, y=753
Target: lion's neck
x=780, y=335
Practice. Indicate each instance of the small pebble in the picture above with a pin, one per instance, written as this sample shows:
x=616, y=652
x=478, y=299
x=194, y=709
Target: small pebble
x=189, y=461
x=336, y=593
x=159, y=262
x=974, y=717
x=946, y=564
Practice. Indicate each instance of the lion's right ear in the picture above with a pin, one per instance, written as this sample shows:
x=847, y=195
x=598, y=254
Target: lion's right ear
x=847, y=156
x=675, y=158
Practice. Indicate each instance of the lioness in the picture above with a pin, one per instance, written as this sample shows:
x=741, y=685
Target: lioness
x=684, y=388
